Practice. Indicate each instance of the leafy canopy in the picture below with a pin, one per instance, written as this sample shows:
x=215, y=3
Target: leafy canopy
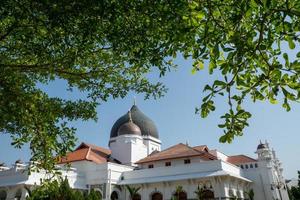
x=250, y=194
x=294, y=192
x=107, y=48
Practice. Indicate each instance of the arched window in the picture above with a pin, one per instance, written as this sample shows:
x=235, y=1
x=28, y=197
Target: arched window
x=180, y=195
x=136, y=197
x=3, y=195
x=114, y=196
x=208, y=195
x=99, y=194
x=156, y=196
x=96, y=192
x=18, y=195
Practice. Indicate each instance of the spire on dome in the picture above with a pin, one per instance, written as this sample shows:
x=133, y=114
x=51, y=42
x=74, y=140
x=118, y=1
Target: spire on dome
x=134, y=100
x=266, y=143
x=129, y=114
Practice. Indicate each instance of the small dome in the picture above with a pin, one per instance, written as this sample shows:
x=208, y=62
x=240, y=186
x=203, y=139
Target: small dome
x=129, y=128
x=261, y=146
x=19, y=161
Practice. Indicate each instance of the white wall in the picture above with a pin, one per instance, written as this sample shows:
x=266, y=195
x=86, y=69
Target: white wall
x=174, y=162
x=152, y=144
x=220, y=155
x=15, y=178
x=206, y=168
x=128, y=149
x=219, y=185
x=262, y=178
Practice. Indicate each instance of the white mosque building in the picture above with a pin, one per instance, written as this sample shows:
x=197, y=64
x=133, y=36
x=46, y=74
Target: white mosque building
x=135, y=158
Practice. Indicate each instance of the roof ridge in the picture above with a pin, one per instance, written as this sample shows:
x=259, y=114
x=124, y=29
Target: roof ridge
x=193, y=148
x=200, y=145
x=204, y=152
x=184, y=150
x=95, y=147
x=161, y=152
x=243, y=155
x=88, y=153
x=81, y=144
x=204, y=146
x=171, y=147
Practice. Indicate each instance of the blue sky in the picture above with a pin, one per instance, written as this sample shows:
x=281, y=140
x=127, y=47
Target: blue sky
x=176, y=121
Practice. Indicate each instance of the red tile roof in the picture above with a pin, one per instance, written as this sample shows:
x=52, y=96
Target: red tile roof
x=239, y=159
x=178, y=151
x=95, y=148
x=201, y=148
x=213, y=152
x=86, y=152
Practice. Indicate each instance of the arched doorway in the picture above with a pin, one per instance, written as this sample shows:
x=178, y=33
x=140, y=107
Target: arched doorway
x=136, y=197
x=181, y=195
x=97, y=192
x=3, y=195
x=114, y=196
x=208, y=195
x=157, y=196
x=18, y=195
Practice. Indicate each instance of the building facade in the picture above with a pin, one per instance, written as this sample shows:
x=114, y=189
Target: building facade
x=135, y=159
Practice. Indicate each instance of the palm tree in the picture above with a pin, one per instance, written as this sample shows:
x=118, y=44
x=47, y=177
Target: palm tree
x=178, y=190
x=250, y=194
x=200, y=193
x=133, y=191
x=233, y=197
x=59, y=189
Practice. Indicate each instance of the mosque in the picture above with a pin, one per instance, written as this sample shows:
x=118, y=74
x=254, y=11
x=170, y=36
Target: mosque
x=135, y=159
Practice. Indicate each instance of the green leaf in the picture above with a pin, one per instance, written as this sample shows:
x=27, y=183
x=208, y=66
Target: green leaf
x=286, y=58
x=194, y=70
x=286, y=106
x=223, y=139
x=200, y=65
x=197, y=65
x=290, y=42
x=220, y=83
x=273, y=100
x=259, y=96
x=200, y=15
